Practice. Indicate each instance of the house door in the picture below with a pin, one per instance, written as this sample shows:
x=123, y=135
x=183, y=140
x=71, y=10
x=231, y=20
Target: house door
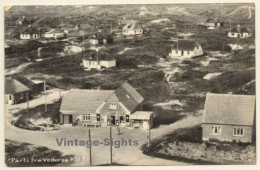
x=67, y=119
x=113, y=120
x=182, y=53
x=98, y=117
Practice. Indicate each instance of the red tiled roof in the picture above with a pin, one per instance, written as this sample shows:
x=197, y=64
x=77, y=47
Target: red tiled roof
x=229, y=109
x=13, y=86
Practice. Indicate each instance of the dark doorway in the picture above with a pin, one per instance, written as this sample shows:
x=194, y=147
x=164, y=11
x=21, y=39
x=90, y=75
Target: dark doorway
x=113, y=120
x=67, y=119
x=182, y=53
x=98, y=117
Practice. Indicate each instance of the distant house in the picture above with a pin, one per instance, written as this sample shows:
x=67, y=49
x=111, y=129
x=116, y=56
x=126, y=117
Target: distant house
x=30, y=33
x=24, y=21
x=54, y=34
x=229, y=117
x=212, y=23
x=132, y=29
x=35, y=86
x=101, y=108
x=240, y=32
x=82, y=27
x=101, y=38
x=186, y=48
x=15, y=91
x=98, y=60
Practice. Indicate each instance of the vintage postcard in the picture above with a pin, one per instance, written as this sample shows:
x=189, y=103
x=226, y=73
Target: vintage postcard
x=130, y=84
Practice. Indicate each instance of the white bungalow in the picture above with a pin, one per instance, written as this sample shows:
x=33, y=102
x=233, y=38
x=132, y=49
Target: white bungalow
x=240, y=32
x=186, y=49
x=99, y=61
x=132, y=29
x=30, y=33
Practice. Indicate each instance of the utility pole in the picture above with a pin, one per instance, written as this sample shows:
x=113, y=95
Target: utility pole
x=27, y=98
x=45, y=96
x=177, y=44
x=149, y=137
x=111, y=159
x=111, y=29
x=90, y=159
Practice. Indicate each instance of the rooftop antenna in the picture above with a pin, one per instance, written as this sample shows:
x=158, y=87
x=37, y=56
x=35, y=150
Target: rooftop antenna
x=111, y=29
x=230, y=25
x=177, y=43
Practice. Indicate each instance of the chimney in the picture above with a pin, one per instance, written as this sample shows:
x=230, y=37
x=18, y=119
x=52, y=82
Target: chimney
x=230, y=92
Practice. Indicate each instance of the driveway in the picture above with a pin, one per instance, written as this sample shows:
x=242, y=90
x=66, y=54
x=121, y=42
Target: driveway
x=127, y=155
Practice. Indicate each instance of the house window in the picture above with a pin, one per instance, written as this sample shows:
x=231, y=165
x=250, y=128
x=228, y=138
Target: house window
x=10, y=97
x=232, y=33
x=112, y=106
x=216, y=130
x=86, y=117
x=188, y=53
x=238, y=132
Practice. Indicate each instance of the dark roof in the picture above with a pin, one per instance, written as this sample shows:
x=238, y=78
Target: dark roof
x=132, y=26
x=211, y=20
x=24, y=21
x=185, y=45
x=240, y=29
x=128, y=96
x=229, y=109
x=104, y=56
x=31, y=30
x=24, y=81
x=101, y=35
x=86, y=101
x=13, y=86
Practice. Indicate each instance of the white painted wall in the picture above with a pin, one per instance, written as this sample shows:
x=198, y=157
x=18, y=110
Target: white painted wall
x=187, y=54
x=93, y=64
x=25, y=36
x=241, y=35
x=132, y=31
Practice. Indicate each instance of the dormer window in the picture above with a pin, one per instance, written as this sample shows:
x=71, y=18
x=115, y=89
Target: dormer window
x=112, y=106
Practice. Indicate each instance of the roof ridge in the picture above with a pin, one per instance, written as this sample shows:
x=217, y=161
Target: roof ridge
x=115, y=91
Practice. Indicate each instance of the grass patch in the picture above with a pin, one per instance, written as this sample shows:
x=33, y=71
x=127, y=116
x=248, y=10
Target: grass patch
x=37, y=113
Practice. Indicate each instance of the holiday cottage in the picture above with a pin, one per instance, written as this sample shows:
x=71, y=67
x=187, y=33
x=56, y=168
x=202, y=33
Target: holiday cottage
x=132, y=29
x=15, y=91
x=30, y=33
x=212, y=23
x=229, y=117
x=186, y=49
x=101, y=38
x=98, y=60
x=240, y=32
x=101, y=108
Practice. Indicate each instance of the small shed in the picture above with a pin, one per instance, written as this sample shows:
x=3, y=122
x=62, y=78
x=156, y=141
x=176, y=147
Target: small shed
x=142, y=119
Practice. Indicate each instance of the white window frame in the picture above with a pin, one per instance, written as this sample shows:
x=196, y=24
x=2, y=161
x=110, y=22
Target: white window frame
x=216, y=130
x=86, y=117
x=238, y=131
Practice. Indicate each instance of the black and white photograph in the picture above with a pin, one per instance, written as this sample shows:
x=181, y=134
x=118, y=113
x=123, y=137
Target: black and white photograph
x=129, y=84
